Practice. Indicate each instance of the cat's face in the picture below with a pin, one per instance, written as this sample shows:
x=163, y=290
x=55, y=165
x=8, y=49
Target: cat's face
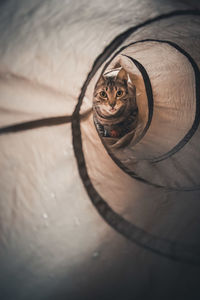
x=111, y=95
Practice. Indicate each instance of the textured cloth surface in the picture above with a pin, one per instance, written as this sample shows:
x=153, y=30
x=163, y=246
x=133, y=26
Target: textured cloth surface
x=54, y=243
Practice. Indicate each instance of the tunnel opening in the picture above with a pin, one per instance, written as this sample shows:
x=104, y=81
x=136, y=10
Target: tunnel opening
x=159, y=113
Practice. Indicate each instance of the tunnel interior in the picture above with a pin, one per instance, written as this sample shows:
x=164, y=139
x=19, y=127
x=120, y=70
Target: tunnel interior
x=75, y=207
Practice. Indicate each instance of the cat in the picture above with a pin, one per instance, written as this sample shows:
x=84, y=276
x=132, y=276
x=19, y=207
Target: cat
x=114, y=105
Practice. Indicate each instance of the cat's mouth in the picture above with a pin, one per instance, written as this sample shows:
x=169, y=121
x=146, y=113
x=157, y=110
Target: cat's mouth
x=113, y=114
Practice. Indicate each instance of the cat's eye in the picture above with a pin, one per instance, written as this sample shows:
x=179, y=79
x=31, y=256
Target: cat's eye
x=103, y=94
x=119, y=93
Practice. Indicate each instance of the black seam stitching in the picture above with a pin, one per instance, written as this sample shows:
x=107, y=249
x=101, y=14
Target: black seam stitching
x=149, y=94
x=44, y=122
x=138, y=236
x=52, y=121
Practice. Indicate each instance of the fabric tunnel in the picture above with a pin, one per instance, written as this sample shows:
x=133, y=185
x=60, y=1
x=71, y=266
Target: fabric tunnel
x=81, y=219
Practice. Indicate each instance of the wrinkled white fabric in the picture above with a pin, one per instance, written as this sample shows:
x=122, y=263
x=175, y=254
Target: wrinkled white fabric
x=53, y=242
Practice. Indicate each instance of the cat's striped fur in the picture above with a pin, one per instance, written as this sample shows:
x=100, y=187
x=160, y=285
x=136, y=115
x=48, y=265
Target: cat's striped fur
x=114, y=105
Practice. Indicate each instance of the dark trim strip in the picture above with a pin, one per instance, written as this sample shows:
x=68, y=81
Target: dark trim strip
x=35, y=124
x=52, y=121
x=169, y=249
x=149, y=93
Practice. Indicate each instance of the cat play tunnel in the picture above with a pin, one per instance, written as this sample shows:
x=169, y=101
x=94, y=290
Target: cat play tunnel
x=79, y=219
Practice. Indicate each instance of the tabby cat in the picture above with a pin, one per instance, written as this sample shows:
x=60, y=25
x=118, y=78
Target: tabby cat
x=114, y=105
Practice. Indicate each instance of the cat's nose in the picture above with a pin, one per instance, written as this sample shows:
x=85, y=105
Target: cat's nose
x=112, y=104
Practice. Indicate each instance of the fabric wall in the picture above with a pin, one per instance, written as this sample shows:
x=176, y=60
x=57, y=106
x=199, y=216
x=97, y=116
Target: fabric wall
x=80, y=220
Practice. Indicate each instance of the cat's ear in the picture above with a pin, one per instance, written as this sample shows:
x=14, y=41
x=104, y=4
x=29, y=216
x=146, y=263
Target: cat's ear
x=101, y=80
x=122, y=75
